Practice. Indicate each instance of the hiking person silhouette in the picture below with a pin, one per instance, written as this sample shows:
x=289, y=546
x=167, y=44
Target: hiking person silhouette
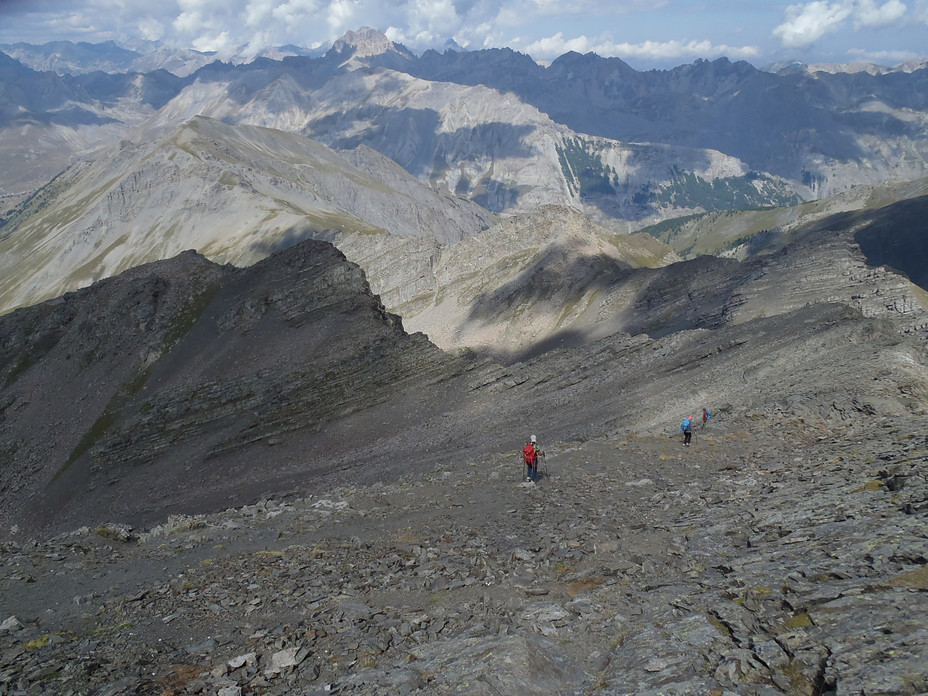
x=530, y=455
x=687, y=427
x=705, y=417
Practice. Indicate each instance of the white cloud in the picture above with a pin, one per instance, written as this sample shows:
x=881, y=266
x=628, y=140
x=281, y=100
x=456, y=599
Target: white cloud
x=807, y=23
x=541, y=28
x=435, y=17
x=660, y=51
x=221, y=43
x=341, y=15
x=150, y=29
x=883, y=57
x=188, y=21
x=258, y=12
x=297, y=21
x=869, y=14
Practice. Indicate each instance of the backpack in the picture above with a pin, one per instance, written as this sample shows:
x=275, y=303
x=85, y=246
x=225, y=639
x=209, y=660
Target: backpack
x=684, y=426
x=528, y=453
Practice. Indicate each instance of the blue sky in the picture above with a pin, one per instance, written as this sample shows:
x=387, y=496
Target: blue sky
x=645, y=33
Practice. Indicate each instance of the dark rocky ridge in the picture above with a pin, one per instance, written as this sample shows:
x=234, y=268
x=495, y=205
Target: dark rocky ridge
x=183, y=386
x=183, y=383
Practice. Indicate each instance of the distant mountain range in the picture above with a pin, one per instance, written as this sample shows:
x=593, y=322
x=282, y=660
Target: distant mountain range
x=626, y=147
x=416, y=166
x=139, y=56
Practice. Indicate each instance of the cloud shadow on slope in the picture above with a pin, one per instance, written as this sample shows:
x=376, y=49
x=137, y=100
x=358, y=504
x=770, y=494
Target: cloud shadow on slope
x=694, y=294
x=265, y=246
x=545, y=279
x=413, y=139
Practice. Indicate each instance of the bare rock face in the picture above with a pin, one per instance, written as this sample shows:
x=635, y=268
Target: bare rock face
x=180, y=376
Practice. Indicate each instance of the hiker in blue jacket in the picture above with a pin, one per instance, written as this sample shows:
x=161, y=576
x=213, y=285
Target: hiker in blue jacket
x=687, y=427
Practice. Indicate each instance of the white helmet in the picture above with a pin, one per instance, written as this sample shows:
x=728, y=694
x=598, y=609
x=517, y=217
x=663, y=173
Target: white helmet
x=533, y=438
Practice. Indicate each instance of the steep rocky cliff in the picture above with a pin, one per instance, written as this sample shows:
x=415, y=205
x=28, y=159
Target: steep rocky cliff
x=184, y=381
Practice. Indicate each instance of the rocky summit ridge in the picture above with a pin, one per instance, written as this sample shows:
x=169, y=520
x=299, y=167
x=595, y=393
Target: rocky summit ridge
x=121, y=388
x=254, y=481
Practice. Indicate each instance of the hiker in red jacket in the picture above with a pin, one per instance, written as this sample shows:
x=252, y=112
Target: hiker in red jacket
x=530, y=454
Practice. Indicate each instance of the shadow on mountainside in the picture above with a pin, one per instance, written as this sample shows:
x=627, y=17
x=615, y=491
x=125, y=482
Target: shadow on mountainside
x=708, y=292
x=414, y=139
x=747, y=107
x=897, y=236
x=494, y=195
x=694, y=294
x=546, y=280
x=247, y=80
x=263, y=247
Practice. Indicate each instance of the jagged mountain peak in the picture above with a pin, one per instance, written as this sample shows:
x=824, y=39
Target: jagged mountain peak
x=575, y=59
x=453, y=46
x=367, y=42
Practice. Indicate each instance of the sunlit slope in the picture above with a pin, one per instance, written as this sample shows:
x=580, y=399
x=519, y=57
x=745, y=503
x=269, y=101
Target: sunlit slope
x=232, y=193
x=740, y=234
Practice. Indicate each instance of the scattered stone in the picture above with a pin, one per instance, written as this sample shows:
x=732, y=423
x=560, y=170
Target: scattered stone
x=10, y=624
x=737, y=580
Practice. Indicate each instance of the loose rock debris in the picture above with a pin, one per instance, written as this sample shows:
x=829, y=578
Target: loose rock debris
x=746, y=564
